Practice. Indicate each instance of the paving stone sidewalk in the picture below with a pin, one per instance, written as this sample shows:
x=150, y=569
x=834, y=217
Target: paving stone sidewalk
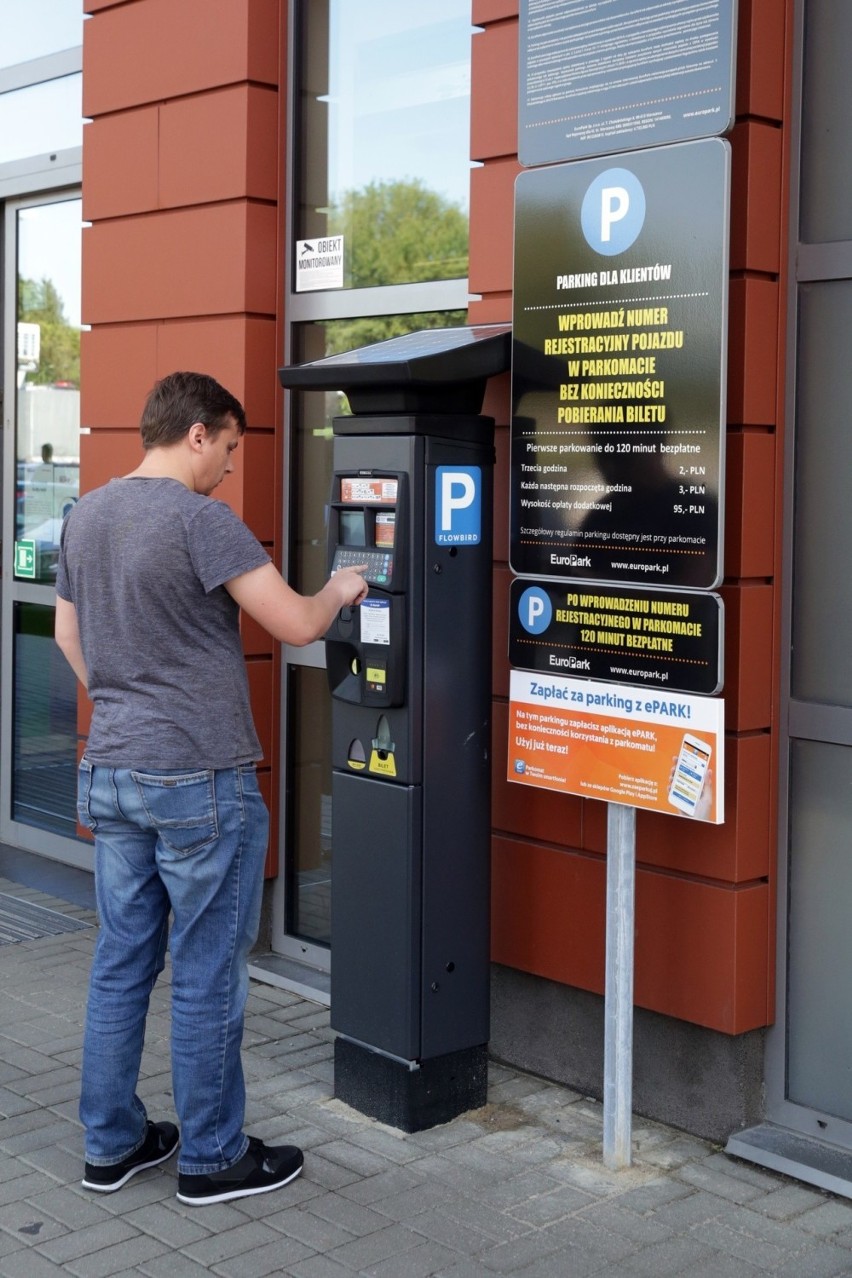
x=517, y=1188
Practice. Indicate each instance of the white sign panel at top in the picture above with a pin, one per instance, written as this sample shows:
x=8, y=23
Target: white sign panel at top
x=319, y=263
x=600, y=76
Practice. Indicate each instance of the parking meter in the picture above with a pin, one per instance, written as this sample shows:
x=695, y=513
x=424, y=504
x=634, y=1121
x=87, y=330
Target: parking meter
x=409, y=673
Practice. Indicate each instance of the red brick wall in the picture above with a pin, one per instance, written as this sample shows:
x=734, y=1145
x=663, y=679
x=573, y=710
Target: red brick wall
x=180, y=264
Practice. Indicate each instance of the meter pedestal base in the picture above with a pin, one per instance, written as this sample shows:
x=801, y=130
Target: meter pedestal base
x=412, y=1100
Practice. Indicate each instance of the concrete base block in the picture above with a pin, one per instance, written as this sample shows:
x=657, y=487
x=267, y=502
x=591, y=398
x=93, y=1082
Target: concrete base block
x=704, y=1082
x=412, y=1100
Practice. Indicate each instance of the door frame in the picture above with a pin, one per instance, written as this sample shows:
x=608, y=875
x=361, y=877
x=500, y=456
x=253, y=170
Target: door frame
x=798, y=720
x=20, y=189
x=299, y=309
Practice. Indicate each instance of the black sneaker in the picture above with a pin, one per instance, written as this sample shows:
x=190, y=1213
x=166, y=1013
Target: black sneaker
x=261, y=1168
x=161, y=1141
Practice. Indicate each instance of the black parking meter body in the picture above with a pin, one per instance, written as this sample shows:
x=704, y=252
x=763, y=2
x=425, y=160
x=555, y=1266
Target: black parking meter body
x=410, y=677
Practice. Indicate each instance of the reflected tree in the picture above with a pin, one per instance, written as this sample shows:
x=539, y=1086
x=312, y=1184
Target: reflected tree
x=397, y=233
x=39, y=302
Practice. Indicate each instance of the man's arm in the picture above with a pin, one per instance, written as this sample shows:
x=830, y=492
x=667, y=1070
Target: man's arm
x=67, y=634
x=288, y=616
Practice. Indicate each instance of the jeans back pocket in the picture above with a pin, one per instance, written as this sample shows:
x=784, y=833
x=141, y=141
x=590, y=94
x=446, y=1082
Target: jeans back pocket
x=84, y=796
x=181, y=808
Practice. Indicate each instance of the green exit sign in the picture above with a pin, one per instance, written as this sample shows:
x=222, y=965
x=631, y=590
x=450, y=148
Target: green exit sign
x=25, y=559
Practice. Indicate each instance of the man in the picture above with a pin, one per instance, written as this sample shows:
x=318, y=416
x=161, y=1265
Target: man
x=152, y=575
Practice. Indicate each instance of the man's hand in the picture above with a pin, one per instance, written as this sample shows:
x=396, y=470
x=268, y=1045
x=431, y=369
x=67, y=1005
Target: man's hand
x=350, y=582
x=67, y=634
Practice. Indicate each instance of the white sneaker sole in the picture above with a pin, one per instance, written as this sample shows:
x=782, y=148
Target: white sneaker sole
x=228, y=1195
x=117, y=1184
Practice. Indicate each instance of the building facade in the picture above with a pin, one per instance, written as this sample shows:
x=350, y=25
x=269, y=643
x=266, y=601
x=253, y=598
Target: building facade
x=222, y=136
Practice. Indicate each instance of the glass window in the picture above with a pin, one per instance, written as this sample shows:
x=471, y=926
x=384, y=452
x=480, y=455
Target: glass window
x=47, y=456
x=45, y=117
x=40, y=27
x=382, y=126
x=384, y=136
x=309, y=862
x=822, y=619
x=826, y=151
x=44, y=731
x=818, y=991
x=309, y=870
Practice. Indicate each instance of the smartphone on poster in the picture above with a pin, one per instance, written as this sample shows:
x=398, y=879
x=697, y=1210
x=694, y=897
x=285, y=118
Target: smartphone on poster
x=690, y=772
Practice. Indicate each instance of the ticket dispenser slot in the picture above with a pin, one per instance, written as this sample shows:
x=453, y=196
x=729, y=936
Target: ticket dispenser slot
x=366, y=646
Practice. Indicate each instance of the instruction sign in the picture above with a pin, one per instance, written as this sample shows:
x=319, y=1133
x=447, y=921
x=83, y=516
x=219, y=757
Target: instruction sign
x=375, y=621
x=643, y=748
x=658, y=640
x=618, y=367
x=597, y=76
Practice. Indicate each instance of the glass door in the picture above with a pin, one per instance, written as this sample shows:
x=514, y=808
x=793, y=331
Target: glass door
x=40, y=483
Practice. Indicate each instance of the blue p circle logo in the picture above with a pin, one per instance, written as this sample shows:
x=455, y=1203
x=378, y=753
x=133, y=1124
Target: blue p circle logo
x=535, y=610
x=613, y=211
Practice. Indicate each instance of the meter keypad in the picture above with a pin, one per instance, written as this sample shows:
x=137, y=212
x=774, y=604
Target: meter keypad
x=379, y=563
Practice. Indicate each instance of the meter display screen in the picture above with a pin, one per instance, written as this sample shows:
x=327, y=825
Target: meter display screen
x=353, y=530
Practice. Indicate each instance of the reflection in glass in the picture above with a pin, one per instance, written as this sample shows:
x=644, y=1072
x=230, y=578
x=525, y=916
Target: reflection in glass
x=385, y=100
x=312, y=413
x=44, y=726
x=48, y=383
x=53, y=112
x=34, y=29
x=309, y=868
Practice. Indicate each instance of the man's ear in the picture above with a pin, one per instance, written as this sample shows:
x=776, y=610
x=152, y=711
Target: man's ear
x=197, y=434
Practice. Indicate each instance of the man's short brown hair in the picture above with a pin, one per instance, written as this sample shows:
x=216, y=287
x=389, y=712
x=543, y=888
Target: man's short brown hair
x=181, y=399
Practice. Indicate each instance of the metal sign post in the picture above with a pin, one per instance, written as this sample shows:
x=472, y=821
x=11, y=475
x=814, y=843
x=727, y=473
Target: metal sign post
x=618, y=1008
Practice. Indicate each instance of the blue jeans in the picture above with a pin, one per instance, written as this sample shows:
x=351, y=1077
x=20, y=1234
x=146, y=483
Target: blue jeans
x=193, y=844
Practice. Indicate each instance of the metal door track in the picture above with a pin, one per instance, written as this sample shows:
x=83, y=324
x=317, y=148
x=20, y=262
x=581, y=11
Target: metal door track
x=23, y=921
x=803, y=1157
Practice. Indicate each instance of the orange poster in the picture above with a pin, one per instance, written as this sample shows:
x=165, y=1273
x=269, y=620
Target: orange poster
x=637, y=746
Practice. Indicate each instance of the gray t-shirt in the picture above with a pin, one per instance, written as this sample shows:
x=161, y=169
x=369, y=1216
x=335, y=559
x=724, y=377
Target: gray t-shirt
x=143, y=562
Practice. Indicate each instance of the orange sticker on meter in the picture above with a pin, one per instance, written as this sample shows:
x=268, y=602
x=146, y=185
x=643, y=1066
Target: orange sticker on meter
x=361, y=488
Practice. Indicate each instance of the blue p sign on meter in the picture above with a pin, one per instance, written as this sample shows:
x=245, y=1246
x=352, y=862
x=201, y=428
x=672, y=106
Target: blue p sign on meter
x=458, y=505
